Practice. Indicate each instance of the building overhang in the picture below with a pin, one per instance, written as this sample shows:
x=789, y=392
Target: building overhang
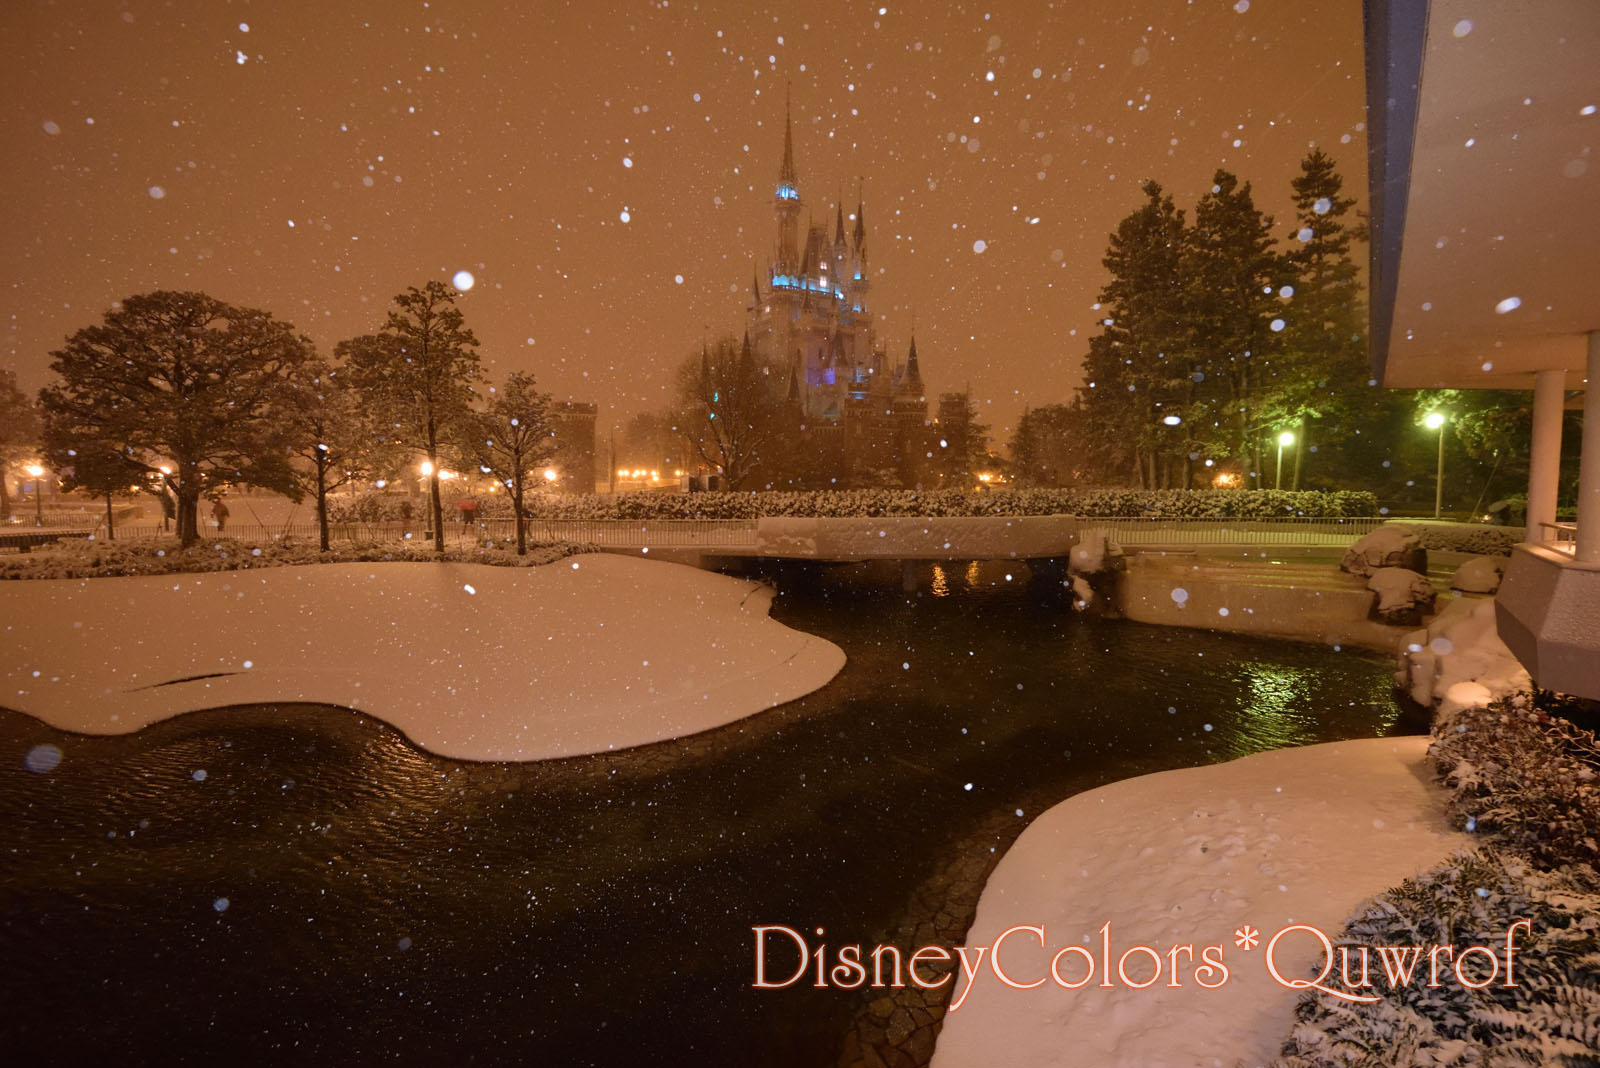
x=1484, y=184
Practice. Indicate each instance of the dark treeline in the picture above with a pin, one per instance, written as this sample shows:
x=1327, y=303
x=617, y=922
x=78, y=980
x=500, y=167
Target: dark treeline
x=1226, y=357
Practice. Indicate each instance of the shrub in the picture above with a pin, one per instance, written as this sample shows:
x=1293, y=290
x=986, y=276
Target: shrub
x=1464, y=538
x=1530, y=779
x=1552, y=1015
x=872, y=504
x=82, y=558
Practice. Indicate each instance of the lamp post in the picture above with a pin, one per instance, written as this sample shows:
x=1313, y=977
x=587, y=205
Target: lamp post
x=1435, y=421
x=36, y=472
x=1285, y=438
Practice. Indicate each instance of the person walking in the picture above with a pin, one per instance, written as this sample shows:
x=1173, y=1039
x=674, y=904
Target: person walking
x=219, y=513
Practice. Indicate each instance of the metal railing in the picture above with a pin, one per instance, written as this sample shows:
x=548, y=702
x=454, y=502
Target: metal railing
x=1130, y=532
x=1285, y=531
x=1563, y=537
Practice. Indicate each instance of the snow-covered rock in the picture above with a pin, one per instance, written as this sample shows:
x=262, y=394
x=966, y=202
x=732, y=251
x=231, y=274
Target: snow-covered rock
x=1403, y=595
x=470, y=661
x=1097, y=552
x=1385, y=547
x=1481, y=574
x=1458, y=660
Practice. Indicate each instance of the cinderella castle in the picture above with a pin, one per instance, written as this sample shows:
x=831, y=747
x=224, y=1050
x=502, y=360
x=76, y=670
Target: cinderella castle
x=860, y=414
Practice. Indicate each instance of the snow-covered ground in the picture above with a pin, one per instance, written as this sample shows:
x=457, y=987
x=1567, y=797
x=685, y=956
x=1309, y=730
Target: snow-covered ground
x=1187, y=858
x=592, y=653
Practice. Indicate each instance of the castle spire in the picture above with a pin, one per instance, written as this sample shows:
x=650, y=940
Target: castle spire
x=787, y=176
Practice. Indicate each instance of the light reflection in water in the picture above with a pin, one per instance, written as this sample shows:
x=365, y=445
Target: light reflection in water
x=941, y=581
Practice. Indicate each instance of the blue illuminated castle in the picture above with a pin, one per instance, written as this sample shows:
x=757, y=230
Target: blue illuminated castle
x=813, y=317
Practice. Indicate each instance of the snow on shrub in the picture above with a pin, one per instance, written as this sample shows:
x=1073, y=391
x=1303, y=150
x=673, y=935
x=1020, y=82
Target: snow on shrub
x=1463, y=537
x=1530, y=778
x=877, y=503
x=1550, y=1017
x=78, y=558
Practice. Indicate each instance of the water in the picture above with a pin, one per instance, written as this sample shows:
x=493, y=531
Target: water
x=325, y=890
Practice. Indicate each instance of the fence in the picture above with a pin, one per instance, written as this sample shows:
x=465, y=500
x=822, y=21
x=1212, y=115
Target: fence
x=618, y=533
x=1286, y=531
x=741, y=533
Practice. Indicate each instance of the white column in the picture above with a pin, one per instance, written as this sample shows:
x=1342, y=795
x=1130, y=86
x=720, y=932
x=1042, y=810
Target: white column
x=1544, y=462
x=1589, y=469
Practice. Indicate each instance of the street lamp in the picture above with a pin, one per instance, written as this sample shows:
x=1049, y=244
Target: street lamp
x=1435, y=421
x=37, y=473
x=1285, y=438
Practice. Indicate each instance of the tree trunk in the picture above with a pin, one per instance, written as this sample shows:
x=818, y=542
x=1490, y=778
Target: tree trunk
x=322, y=503
x=522, y=525
x=188, y=513
x=1299, y=452
x=5, y=495
x=111, y=523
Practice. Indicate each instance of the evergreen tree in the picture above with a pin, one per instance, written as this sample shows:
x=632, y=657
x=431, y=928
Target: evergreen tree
x=1231, y=276
x=1136, y=374
x=418, y=374
x=1323, y=371
x=185, y=387
x=1047, y=446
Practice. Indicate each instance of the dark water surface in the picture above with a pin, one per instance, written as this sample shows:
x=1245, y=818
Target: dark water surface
x=300, y=883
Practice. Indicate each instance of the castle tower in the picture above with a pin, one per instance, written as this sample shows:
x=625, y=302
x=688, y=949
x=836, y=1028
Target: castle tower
x=812, y=318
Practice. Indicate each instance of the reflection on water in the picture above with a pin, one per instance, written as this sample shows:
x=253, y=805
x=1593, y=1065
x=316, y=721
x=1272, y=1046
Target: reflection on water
x=303, y=880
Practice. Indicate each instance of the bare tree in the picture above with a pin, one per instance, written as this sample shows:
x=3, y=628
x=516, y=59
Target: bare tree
x=730, y=399
x=19, y=431
x=335, y=439
x=512, y=438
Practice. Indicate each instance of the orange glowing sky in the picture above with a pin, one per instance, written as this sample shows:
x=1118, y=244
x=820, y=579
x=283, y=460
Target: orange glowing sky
x=315, y=158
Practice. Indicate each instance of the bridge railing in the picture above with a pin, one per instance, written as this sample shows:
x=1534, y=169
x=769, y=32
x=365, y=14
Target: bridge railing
x=1282, y=531
x=1134, y=533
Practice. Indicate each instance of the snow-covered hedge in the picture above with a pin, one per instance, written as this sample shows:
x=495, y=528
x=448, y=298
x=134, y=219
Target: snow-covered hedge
x=1528, y=782
x=872, y=504
x=1464, y=537
x=1531, y=779
x=82, y=558
x=1551, y=1016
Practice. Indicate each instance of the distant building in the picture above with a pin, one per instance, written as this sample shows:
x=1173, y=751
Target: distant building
x=866, y=416
x=574, y=463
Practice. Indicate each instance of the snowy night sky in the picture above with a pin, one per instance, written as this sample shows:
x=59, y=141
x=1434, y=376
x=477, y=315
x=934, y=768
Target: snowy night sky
x=605, y=170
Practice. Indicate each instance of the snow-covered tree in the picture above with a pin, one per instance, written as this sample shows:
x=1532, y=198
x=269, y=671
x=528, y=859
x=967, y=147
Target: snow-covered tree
x=186, y=388
x=336, y=440
x=417, y=375
x=19, y=432
x=512, y=440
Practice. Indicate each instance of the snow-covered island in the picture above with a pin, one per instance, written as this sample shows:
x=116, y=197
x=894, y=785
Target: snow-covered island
x=592, y=653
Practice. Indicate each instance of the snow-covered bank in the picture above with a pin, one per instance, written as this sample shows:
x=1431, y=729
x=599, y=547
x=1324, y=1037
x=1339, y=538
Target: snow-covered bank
x=475, y=662
x=1297, y=836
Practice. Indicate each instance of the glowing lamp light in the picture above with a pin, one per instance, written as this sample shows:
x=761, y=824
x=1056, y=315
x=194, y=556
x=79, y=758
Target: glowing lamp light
x=426, y=467
x=1171, y=420
x=1434, y=421
x=34, y=471
x=1286, y=438
x=550, y=474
